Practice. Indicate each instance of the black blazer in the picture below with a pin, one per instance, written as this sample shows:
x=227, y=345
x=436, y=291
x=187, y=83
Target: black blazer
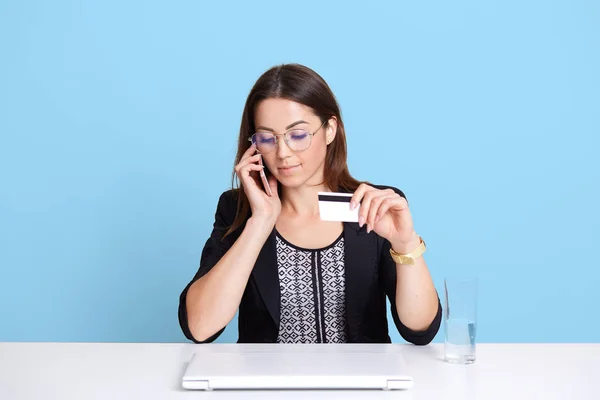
x=370, y=277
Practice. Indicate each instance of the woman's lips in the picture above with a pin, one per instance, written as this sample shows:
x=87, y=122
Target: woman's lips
x=288, y=170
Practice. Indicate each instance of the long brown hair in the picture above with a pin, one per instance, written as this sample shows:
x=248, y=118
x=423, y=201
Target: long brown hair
x=303, y=85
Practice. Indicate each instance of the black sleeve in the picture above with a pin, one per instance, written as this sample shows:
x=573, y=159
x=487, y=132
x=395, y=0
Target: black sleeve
x=214, y=248
x=388, y=276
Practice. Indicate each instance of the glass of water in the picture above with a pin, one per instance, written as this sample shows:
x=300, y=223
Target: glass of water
x=460, y=319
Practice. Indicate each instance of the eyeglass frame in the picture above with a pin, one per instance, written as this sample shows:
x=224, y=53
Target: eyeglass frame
x=285, y=137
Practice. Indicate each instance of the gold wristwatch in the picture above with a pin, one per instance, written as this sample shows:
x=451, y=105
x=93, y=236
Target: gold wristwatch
x=409, y=259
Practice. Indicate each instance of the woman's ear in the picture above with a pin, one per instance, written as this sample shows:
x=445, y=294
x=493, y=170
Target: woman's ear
x=330, y=130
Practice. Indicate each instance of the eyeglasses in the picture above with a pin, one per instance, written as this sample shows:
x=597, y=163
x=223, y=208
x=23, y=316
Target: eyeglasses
x=296, y=139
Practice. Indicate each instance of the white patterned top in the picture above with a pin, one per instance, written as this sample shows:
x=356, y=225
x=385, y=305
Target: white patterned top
x=312, y=290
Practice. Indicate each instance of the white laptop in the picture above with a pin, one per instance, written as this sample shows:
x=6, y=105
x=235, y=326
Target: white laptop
x=297, y=366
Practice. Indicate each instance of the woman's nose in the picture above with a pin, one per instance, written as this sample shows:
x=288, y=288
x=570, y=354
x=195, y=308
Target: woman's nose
x=283, y=151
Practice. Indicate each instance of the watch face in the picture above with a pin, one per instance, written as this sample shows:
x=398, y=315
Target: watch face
x=400, y=259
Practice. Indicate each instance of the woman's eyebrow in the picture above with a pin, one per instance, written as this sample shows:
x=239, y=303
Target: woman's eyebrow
x=286, y=128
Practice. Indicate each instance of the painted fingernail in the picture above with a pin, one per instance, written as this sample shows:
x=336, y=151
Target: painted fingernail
x=368, y=228
x=361, y=221
x=352, y=205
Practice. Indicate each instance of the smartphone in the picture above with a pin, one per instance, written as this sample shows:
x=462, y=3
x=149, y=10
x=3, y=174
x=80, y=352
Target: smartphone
x=263, y=178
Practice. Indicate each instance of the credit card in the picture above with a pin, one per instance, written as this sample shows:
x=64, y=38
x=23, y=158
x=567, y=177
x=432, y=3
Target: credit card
x=336, y=207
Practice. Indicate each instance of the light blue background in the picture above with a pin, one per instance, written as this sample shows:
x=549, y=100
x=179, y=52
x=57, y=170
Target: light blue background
x=118, y=124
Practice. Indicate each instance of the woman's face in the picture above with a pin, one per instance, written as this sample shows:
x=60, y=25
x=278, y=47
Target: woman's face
x=293, y=164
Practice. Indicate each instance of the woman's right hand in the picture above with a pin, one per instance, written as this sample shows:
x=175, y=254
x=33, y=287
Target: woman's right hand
x=263, y=206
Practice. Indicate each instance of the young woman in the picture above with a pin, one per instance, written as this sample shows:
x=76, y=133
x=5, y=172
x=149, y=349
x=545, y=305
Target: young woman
x=292, y=276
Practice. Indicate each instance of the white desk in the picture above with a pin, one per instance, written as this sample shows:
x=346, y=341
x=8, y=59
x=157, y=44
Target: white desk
x=152, y=371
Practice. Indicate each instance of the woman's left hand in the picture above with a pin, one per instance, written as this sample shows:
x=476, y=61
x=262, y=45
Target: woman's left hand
x=386, y=213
